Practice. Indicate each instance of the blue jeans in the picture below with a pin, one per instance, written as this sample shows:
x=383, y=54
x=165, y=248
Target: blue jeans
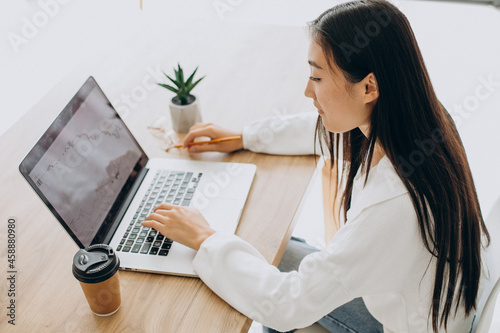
x=352, y=317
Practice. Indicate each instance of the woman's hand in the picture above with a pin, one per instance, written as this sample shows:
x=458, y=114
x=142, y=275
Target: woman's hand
x=181, y=224
x=213, y=132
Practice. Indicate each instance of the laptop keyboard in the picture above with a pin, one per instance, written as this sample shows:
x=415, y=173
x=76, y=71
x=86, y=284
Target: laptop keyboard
x=174, y=187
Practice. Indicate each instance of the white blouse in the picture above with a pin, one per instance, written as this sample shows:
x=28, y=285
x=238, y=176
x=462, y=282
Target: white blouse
x=378, y=255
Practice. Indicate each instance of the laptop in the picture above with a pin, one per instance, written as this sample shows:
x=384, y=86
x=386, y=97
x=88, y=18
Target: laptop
x=97, y=181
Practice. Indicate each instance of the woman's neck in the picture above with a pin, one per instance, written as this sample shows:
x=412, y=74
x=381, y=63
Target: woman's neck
x=378, y=151
x=378, y=154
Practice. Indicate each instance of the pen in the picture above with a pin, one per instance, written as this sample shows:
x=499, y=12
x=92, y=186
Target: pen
x=230, y=138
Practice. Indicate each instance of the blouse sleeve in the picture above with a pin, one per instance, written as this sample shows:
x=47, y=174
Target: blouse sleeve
x=359, y=261
x=282, y=135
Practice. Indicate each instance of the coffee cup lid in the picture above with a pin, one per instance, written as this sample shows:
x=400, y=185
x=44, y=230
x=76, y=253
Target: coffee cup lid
x=95, y=263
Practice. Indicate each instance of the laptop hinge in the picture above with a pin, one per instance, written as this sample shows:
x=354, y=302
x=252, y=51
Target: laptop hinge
x=126, y=203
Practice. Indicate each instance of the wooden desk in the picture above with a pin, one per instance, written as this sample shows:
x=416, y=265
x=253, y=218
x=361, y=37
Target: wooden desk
x=49, y=299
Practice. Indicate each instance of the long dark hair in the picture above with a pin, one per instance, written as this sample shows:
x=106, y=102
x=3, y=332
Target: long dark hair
x=417, y=135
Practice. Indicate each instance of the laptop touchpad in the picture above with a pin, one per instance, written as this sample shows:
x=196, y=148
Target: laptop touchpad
x=221, y=214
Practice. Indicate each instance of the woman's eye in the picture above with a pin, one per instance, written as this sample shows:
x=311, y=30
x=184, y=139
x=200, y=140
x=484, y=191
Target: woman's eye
x=315, y=79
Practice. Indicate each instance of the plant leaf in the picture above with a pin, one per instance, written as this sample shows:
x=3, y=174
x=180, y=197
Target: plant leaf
x=190, y=79
x=194, y=84
x=181, y=75
x=174, y=82
x=177, y=75
x=168, y=87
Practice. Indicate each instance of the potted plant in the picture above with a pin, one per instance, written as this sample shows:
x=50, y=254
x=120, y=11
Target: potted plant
x=184, y=109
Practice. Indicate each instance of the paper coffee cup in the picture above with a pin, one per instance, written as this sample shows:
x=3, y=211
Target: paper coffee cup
x=96, y=267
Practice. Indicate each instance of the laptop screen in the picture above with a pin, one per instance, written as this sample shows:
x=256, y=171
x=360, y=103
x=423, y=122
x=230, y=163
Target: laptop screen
x=84, y=165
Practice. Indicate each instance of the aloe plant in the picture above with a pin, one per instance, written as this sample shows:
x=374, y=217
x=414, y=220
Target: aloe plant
x=182, y=88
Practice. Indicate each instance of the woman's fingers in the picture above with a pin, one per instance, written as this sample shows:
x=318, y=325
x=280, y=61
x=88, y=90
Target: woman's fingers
x=160, y=221
x=153, y=224
x=197, y=131
x=205, y=147
x=164, y=206
x=213, y=132
x=181, y=224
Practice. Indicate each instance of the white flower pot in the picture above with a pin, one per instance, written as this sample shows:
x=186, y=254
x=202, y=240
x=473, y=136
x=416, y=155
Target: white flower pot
x=184, y=116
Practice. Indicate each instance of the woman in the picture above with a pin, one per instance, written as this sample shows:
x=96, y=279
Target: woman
x=408, y=256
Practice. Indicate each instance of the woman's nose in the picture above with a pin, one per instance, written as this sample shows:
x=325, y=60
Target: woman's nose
x=309, y=91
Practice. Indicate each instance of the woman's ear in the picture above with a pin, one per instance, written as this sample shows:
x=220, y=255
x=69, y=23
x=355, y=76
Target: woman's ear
x=370, y=88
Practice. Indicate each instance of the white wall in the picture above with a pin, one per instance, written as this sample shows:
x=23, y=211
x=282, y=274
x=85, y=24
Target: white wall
x=460, y=44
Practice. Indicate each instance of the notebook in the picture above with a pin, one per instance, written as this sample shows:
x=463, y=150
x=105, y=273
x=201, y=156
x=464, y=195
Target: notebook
x=95, y=178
